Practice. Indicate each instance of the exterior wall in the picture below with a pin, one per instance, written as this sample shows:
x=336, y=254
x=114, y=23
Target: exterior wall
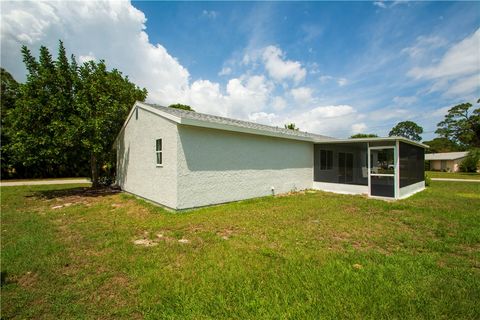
x=411, y=189
x=217, y=166
x=340, y=188
x=435, y=165
x=451, y=165
x=137, y=171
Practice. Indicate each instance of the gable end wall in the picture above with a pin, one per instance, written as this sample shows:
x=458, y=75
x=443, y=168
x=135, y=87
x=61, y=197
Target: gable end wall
x=137, y=172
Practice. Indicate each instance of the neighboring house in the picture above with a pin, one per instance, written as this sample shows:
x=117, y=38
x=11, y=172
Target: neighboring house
x=183, y=159
x=447, y=161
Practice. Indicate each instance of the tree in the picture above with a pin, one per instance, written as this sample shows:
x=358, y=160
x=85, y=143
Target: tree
x=104, y=99
x=8, y=96
x=181, y=106
x=472, y=161
x=407, y=129
x=461, y=125
x=38, y=121
x=442, y=145
x=66, y=116
x=363, y=135
x=291, y=126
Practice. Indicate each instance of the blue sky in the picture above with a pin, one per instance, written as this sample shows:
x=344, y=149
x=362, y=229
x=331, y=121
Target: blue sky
x=334, y=68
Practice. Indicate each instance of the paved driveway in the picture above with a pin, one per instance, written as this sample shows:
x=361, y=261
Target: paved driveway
x=40, y=182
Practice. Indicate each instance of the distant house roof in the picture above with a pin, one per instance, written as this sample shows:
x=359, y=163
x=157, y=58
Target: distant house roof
x=445, y=156
x=210, y=121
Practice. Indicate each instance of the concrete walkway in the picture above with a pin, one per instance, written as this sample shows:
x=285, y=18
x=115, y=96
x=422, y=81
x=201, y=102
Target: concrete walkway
x=40, y=182
x=449, y=179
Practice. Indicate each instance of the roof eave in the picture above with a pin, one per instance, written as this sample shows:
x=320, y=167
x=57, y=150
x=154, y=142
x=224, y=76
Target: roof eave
x=379, y=139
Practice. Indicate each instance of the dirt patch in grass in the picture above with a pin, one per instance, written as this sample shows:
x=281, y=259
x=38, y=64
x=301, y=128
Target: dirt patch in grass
x=27, y=280
x=76, y=192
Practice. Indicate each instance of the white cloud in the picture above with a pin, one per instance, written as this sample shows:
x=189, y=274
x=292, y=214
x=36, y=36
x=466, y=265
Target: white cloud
x=280, y=69
x=211, y=14
x=359, y=127
x=459, y=65
x=225, y=71
x=333, y=120
x=379, y=4
x=89, y=57
x=84, y=27
x=464, y=86
x=340, y=81
x=440, y=112
x=405, y=100
x=302, y=95
x=278, y=104
x=423, y=44
x=263, y=117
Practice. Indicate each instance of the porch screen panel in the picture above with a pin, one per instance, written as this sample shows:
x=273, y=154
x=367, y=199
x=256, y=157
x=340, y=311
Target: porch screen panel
x=412, y=164
x=344, y=163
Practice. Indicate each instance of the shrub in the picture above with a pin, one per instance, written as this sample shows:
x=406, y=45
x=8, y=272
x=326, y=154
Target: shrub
x=472, y=162
x=428, y=180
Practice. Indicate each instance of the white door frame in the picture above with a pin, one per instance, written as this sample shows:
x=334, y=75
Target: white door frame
x=395, y=174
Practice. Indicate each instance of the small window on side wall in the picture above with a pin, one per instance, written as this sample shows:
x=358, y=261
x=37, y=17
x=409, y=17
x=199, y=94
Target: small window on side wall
x=158, y=152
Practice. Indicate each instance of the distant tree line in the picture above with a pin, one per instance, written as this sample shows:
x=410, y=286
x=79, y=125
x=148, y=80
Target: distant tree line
x=458, y=131
x=63, y=120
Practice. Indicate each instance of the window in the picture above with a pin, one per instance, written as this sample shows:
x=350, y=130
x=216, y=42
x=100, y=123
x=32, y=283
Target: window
x=158, y=151
x=136, y=113
x=326, y=159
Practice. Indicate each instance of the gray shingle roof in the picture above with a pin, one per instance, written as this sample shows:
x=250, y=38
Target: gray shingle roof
x=238, y=123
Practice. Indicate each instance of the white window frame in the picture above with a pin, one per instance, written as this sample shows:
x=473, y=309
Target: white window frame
x=159, y=151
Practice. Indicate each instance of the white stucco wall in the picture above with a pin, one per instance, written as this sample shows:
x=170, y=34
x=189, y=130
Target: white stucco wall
x=137, y=171
x=216, y=166
x=340, y=188
x=407, y=191
x=450, y=165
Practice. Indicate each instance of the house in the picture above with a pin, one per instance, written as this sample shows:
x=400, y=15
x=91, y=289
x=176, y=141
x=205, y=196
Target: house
x=183, y=159
x=446, y=161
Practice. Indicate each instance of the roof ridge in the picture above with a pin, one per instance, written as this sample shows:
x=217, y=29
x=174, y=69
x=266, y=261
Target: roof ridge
x=233, y=121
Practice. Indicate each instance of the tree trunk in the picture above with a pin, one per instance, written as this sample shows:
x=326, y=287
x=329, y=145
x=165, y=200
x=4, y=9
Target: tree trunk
x=94, y=170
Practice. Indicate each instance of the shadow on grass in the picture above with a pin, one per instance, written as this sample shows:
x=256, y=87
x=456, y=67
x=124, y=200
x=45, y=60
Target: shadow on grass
x=76, y=192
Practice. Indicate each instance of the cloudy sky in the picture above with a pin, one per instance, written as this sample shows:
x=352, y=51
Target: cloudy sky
x=331, y=68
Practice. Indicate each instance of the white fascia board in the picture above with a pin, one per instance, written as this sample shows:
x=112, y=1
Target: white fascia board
x=158, y=112
x=402, y=139
x=144, y=106
x=226, y=127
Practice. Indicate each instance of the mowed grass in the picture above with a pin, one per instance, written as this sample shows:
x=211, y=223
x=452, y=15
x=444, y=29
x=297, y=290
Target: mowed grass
x=304, y=256
x=454, y=175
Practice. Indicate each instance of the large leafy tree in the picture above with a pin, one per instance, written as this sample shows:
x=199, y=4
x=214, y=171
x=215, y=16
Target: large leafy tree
x=407, y=129
x=104, y=99
x=461, y=125
x=442, y=145
x=66, y=116
x=364, y=135
x=41, y=116
x=8, y=96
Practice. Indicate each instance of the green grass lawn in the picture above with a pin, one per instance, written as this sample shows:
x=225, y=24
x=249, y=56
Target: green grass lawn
x=71, y=255
x=454, y=175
